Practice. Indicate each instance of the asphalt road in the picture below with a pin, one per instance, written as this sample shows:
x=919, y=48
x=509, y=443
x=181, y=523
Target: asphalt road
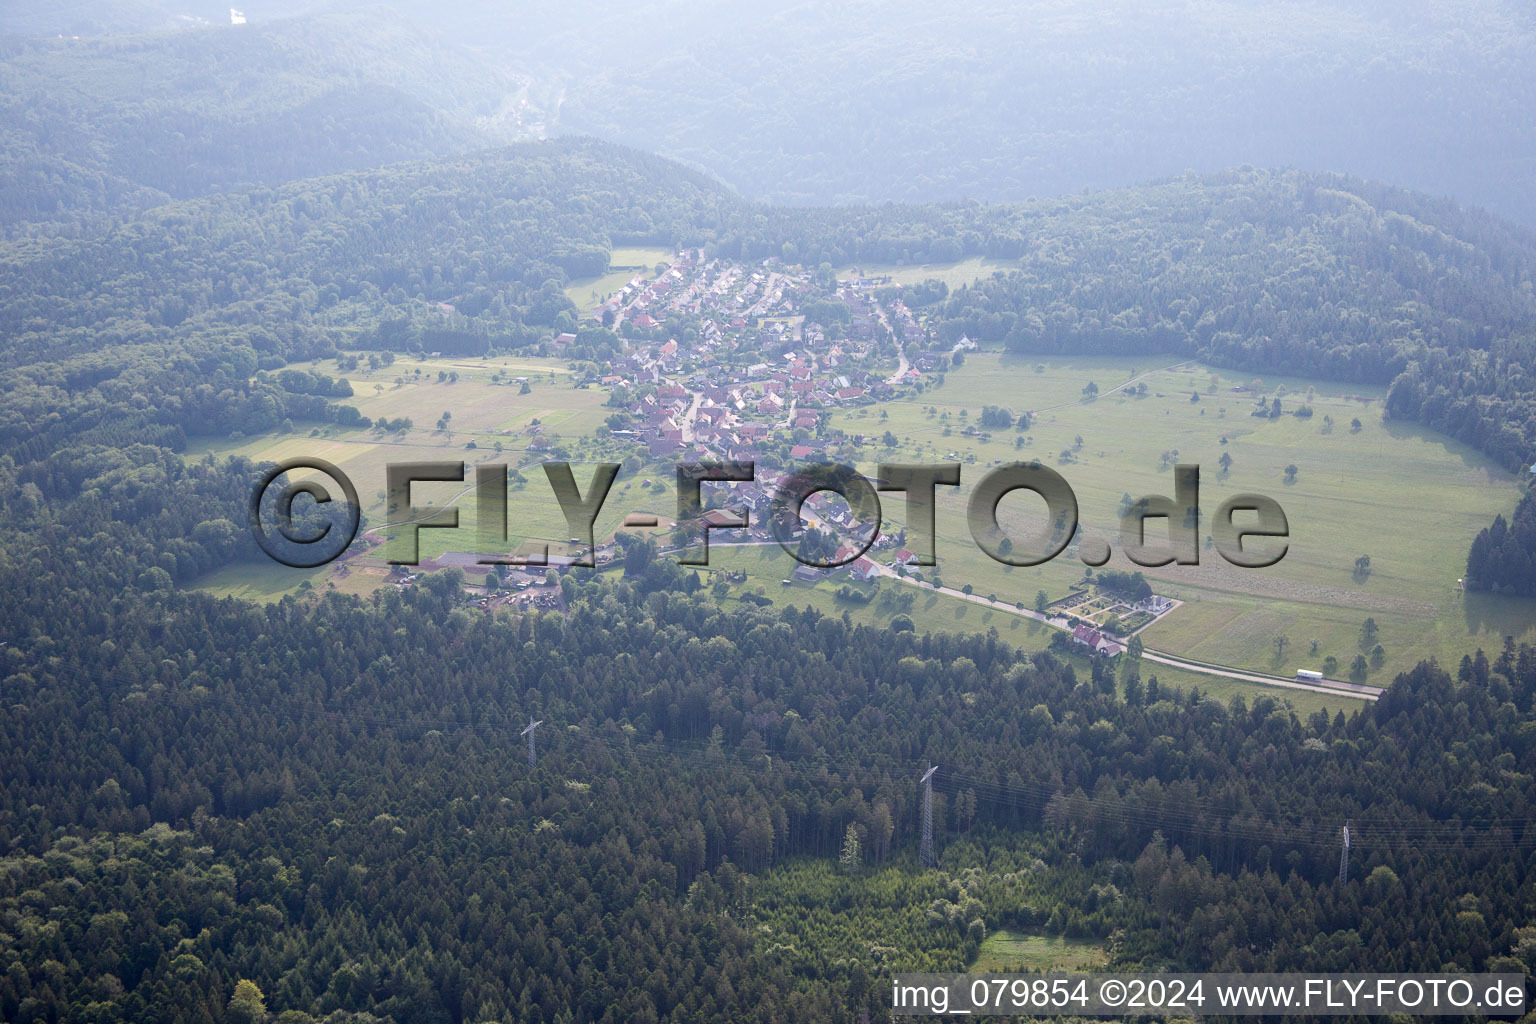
x=1356, y=691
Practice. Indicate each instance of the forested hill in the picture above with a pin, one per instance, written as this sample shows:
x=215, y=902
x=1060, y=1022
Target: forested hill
x=1268, y=271
x=1245, y=268
x=153, y=329
x=102, y=125
x=995, y=100
x=1283, y=272
x=497, y=233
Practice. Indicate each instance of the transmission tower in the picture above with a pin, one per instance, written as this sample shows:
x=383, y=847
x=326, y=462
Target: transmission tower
x=1344, y=857
x=532, y=760
x=925, y=850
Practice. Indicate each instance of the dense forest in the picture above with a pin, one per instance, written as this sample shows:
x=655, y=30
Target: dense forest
x=1503, y=557
x=322, y=808
x=1266, y=271
x=98, y=126
x=330, y=802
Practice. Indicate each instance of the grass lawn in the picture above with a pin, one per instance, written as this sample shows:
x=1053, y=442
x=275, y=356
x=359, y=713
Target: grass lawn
x=261, y=582
x=767, y=567
x=623, y=264
x=486, y=408
x=644, y=257
x=590, y=292
x=1004, y=951
x=269, y=582
x=1222, y=689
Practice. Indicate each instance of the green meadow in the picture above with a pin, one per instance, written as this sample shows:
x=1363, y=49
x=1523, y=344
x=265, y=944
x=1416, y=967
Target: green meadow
x=1408, y=499
x=766, y=568
x=587, y=293
x=953, y=274
x=1004, y=952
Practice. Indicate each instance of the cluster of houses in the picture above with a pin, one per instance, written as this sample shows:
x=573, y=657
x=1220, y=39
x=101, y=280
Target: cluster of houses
x=690, y=284
x=756, y=366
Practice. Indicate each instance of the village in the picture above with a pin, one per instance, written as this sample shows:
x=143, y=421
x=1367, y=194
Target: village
x=717, y=360
x=722, y=360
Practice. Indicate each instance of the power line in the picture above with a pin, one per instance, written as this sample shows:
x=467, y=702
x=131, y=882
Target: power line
x=1193, y=818
x=1189, y=817
x=533, y=761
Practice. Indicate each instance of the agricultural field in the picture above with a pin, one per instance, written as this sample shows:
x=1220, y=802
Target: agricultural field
x=490, y=421
x=1408, y=499
x=1347, y=499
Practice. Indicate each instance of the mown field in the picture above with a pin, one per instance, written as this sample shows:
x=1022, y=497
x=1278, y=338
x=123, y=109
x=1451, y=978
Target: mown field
x=485, y=409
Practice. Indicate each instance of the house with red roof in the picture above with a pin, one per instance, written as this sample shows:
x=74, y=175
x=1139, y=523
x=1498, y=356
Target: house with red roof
x=863, y=569
x=1097, y=643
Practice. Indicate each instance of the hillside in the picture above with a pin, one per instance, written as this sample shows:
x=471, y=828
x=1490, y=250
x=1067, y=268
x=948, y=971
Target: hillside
x=1255, y=270
x=151, y=331
x=237, y=792
x=96, y=125
x=997, y=101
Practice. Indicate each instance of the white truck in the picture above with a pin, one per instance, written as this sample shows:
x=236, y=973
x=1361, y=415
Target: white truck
x=1309, y=675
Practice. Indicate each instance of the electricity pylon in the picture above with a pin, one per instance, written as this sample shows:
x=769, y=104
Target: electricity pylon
x=925, y=850
x=532, y=760
x=1344, y=857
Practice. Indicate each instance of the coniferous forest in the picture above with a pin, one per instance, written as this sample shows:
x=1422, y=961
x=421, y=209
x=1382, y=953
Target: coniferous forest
x=323, y=808
x=330, y=800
